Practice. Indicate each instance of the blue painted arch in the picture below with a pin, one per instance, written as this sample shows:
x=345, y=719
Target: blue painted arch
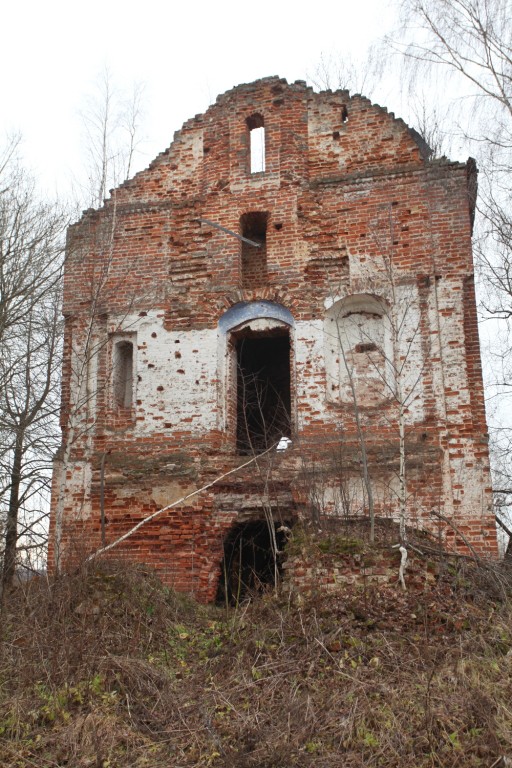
x=246, y=311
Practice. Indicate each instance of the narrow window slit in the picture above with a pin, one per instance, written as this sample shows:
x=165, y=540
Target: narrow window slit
x=256, y=128
x=123, y=374
x=253, y=226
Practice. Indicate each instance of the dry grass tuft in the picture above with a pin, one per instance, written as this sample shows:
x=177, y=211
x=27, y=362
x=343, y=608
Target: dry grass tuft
x=108, y=669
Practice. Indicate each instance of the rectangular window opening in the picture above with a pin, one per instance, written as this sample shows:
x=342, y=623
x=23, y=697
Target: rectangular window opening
x=253, y=227
x=257, y=138
x=263, y=391
x=123, y=374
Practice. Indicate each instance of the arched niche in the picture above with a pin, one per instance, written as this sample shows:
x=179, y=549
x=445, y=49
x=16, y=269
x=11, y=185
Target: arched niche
x=358, y=351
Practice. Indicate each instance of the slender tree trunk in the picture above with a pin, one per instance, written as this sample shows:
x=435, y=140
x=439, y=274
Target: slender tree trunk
x=11, y=536
x=401, y=475
x=362, y=442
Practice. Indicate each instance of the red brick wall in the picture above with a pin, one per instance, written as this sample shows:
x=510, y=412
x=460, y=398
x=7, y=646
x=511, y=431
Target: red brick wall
x=353, y=208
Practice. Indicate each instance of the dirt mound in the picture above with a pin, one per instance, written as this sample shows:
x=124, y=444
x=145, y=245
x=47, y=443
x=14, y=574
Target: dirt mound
x=108, y=668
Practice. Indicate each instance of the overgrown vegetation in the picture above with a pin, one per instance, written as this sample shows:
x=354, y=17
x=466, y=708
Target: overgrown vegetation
x=108, y=668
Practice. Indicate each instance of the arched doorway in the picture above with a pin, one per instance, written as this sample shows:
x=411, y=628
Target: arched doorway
x=258, y=341
x=252, y=559
x=263, y=399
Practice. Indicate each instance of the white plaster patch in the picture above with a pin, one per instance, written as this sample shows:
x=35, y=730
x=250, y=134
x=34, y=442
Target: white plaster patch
x=78, y=490
x=176, y=377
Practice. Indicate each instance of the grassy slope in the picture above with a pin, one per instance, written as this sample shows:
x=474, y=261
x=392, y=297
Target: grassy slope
x=108, y=668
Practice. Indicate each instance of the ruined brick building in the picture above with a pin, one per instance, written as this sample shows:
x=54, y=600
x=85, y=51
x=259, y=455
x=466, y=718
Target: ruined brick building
x=294, y=265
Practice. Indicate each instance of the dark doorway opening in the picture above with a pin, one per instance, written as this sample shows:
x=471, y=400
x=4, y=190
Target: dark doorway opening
x=263, y=390
x=252, y=560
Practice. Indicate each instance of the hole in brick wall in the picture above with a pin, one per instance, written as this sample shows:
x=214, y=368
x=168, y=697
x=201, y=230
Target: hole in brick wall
x=335, y=134
x=250, y=561
x=177, y=355
x=256, y=126
x=263, y=390
x=365, y=347
x=278, y=226
x=123, y=374
x=344, y=114
x=153, y=335
x=253, y=226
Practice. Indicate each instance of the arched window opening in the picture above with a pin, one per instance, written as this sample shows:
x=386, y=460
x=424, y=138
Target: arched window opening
x=263, y=389
x=256, y=372
x=359, y=355
x=256, y=127
x=253, y=227
x=252, y=560
x=123, y=374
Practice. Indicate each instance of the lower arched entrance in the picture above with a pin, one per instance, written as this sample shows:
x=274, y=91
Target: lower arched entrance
x=252, y=560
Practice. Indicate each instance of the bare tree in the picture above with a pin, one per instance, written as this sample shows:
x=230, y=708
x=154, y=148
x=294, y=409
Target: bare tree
x=31, y=249
x=396, y=371
x=471, y=40
x=361, y=435
x=430, y=122
x=341, y=72
x=365, y=75
x=31, y=242
x=32, y=234
x=112, y=125
x=376, y=336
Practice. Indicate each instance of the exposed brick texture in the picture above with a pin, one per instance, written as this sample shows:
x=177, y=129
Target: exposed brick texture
x=366, y=267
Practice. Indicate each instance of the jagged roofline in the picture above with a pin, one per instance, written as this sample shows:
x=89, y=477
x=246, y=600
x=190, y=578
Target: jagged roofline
x=297, y=85
x=300, y=85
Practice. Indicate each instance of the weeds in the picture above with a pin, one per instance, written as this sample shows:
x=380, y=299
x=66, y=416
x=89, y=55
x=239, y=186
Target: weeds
x=109, y=669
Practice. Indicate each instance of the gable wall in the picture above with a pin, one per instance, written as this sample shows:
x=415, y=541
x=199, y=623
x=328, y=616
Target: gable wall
x=353, y=209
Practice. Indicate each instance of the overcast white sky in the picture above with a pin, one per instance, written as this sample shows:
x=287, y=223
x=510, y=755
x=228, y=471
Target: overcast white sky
x=186, y=54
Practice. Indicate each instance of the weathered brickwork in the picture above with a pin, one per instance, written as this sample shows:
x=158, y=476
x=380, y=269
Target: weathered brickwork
x=348, y=318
